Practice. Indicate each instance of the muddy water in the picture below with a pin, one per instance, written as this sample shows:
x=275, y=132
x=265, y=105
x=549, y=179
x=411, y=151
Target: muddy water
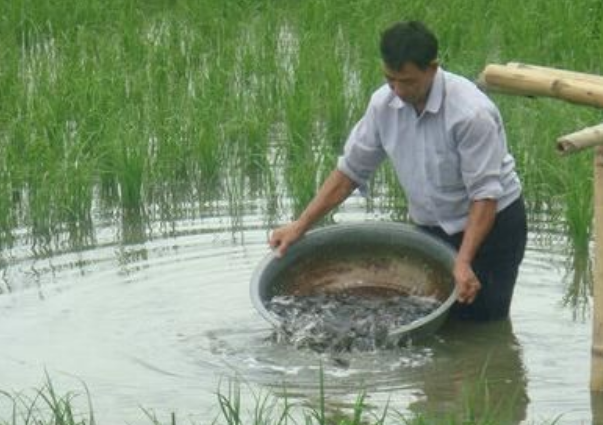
x=161, y=324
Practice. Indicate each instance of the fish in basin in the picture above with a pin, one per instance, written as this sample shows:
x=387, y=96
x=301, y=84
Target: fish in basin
x=345, y=322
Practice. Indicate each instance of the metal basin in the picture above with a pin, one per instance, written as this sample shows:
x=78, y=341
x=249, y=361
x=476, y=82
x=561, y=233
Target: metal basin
x=373, y=259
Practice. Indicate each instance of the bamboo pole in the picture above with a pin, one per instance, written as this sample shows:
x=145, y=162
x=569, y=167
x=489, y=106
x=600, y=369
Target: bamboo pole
x=585, y=138
x=530, y=82
x=596, y=373
x=484, y=86
x=560, y=73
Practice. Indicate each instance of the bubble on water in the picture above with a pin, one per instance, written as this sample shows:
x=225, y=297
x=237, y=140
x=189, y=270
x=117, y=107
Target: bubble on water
x=343, y=322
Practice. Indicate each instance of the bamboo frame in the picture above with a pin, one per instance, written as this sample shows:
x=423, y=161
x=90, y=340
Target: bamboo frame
x=596, y=374
x=584, y=89
x=484, y=86
x=580, y=140
x=559, y=73
x=538, y=82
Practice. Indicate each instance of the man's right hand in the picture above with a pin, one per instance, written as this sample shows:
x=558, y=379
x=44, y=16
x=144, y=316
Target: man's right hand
x=282, y=237
x=336, y=188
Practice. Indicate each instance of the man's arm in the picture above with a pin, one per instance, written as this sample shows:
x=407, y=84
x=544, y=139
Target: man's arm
x=482, y=214
x=335, y=189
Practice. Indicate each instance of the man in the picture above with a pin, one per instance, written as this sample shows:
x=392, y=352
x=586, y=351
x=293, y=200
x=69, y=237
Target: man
x=447, y=143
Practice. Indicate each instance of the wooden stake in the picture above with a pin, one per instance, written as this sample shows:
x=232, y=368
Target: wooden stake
x=530, y=82
x=586, y=138
x=596, y=373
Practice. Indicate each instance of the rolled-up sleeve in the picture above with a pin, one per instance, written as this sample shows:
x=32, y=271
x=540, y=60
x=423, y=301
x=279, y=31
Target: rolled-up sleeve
x=363, y=151
x=482, y=147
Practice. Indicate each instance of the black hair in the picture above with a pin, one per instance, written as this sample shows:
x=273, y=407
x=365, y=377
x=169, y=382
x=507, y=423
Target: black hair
x=409, y=41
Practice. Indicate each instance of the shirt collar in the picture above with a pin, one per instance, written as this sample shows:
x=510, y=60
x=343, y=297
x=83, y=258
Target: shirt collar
x=436, y=95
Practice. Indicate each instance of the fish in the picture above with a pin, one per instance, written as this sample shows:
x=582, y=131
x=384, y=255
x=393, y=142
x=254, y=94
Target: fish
x=343, y=322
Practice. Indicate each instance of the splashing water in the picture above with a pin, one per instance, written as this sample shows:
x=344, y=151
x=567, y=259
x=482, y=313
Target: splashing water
x=342, y=322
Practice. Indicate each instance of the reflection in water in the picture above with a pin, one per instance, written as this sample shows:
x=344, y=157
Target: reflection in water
x=134, y=229
x=477, y=372
x=596, y=405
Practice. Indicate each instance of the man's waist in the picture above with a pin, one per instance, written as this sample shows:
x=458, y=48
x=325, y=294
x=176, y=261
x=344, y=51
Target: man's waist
x=452, y=216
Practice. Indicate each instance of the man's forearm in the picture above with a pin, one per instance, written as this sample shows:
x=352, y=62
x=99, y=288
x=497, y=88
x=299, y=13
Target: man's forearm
x=335, y=189
x=482, y=214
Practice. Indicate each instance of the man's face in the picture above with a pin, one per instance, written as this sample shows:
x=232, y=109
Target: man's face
x=411, y=83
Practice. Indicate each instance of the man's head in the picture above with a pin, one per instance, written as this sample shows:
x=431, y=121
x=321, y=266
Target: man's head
x=409, y=51
x=405, y=42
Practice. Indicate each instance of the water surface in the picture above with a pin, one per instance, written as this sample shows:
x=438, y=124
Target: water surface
x=164, y=323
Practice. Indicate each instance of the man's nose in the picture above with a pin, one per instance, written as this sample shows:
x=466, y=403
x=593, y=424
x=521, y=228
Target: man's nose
x=398, y=88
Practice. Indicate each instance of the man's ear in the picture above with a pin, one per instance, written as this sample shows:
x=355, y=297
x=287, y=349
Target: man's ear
x=432, y=68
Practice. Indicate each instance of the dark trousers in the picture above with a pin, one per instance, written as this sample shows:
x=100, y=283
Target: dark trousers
x=496, y=264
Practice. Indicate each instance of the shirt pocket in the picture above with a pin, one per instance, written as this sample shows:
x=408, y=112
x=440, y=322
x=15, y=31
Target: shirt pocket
x=447, y=169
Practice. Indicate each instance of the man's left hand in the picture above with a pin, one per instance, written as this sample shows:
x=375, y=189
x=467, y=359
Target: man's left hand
x=466, y=281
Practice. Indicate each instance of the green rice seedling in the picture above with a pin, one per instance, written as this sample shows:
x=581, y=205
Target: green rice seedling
x=300, y=120
x=234, y=183
x=578, y=204
x=42, y=215
x=388, y=194
x=8, y=219
x=246, y=116
x=126, y=160
x=336, y=112
x=152, y=417
x=268, y=411
x=319, y=413
x=206, y=163
x=47, y=407
x=301, y=178
x=76, y=208
x=130, y=175
x=301, y=164
x=230, y=405
x=358, y=414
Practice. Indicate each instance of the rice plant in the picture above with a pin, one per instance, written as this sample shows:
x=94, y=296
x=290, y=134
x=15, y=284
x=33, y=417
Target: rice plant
x=149, y=108
x=239, y=403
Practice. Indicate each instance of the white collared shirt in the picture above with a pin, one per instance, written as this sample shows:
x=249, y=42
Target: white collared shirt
x=454, y=152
